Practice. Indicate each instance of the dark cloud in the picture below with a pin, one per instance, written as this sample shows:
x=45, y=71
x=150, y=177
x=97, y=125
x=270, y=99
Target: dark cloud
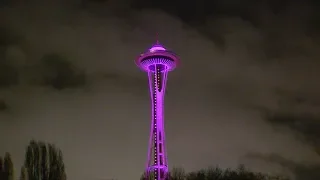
x=307, y=126
x=3, y=105
x=58, y=72
x=8, y=75
x=301, y=171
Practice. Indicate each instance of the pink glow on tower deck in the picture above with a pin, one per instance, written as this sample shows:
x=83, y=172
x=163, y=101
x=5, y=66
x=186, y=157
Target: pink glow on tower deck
x=157, y=54
x=156, y=48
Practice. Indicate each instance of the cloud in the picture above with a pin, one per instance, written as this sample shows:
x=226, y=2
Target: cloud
x=70, y=79
x=59, y=73
x=300, y=171
x=3, y=105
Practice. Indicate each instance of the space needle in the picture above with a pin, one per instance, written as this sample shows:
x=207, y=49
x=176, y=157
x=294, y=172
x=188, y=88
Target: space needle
x=157, y=62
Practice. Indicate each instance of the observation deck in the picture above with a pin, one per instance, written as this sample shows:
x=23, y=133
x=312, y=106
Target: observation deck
x=157, y=56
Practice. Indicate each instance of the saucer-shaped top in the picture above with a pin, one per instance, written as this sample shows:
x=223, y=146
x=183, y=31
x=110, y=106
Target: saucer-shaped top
x=157, y=57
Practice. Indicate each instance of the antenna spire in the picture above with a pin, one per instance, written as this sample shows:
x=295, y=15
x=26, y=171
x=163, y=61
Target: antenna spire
x=157, y=38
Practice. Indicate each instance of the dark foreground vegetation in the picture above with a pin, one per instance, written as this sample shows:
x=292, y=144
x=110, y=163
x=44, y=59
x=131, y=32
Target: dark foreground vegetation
x=44, y=161
x=219, y=174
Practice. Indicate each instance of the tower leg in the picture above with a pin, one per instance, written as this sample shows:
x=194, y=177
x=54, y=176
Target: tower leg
x=157, y=168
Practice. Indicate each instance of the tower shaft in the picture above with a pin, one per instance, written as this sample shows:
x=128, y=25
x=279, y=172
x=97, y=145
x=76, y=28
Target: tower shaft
x=157, y=165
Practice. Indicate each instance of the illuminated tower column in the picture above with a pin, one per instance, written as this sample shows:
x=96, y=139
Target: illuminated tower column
x=157, y=62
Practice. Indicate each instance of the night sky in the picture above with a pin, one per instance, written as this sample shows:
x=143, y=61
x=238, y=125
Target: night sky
x=246, y=92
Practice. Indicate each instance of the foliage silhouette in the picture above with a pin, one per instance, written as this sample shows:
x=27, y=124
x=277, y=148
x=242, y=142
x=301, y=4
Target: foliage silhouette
x=23, y=173
x=1, y=169
x=44, y=162
x=216, y=173
x=8, y=170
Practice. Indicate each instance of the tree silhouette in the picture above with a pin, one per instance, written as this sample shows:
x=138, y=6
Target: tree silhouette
x=44, y=162
x=23, y=174
x=31, y=161
x=1, y=169
x=216, y=173
x=177, y=174
x=144, y=176
x=8, y=173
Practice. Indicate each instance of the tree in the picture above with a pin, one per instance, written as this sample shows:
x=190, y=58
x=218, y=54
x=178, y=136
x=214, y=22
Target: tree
x=44, y=162
x=44, y=166
x=144, y=176
x=214, y=173
x=241, y=173
x=31, y=160
x=1, y=169
x=177, y=174
x=23, y=174
x=8, y=173
x=57, y=169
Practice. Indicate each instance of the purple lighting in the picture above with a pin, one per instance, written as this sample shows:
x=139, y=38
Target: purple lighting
x=157, y=62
